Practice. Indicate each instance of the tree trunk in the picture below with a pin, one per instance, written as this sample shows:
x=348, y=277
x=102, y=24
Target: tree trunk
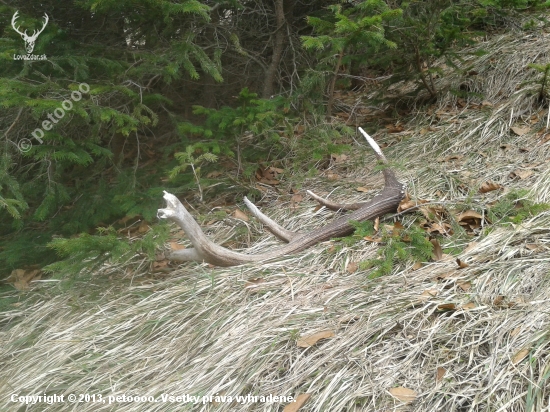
x=278, y=46
x=332, y=84
x=211, y=86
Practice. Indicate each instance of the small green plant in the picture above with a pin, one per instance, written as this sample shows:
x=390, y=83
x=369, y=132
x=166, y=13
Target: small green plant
x=515, y=208
x=11, y=198
x=397, y=245
x=344, y=35
x=431, y=31
x=188, y=158
x=88, y=252
x=294, y=334
x=542, y=80
x=250, y=129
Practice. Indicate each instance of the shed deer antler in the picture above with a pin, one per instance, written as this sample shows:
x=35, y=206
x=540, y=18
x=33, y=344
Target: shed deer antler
x=29, y=40
x=205, y=250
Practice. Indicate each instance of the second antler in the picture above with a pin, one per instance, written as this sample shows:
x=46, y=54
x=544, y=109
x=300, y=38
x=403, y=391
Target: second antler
x=205, y=250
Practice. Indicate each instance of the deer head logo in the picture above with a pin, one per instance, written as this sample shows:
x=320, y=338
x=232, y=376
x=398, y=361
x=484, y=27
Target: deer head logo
x=29, y=40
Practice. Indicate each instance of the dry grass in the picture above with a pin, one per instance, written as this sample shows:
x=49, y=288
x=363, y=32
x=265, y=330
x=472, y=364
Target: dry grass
x=203, y=331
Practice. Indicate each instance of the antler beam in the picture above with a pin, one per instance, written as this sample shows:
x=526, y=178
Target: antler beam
x=205, y=250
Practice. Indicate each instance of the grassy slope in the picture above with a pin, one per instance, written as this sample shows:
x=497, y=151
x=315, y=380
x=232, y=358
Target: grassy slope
x=202, y=331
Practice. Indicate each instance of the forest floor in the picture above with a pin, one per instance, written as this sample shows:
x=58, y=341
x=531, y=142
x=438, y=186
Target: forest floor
x=466, y=335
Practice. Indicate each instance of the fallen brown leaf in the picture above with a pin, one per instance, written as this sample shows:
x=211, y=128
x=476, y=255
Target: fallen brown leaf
x=268, y=173
x=465, y=286
x=21, y=278
x=338, y=158
x=239, y=214
x=432, y=212
x=362, y=189
x=461, y=264
x=440, y=373
x=498, y=300
x=296, y=198
x=520, y=131
x=427, y=294
x=160, y=266
x=311, y=340
x=518, y=357
x=405, y=205
x=453, y=157
x=468, y=215
x=443, y=228
x=515, y=331
x=417, y=266
x=470, y=220
x=489, y=187
x=298, y=403
x=397, y=228
x=352, y=267
x=437, y=251
x=214, y=174
x=446, y=306
x=176, y=246
x=143, y=227
x=394, y=128
x=371, y=239
x=522, y=174
x=532, y=246
x=468, y=306
x=403, y=394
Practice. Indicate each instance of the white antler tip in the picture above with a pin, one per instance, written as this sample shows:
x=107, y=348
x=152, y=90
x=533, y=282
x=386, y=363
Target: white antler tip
x=372, y=143
x=171, y=200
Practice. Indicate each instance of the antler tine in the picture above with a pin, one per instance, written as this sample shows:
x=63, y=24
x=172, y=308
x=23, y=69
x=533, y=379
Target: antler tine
x=390, y=181
x=353, y=206
x=279, y=231
x=335, y=206
x=204, y=249
x=374, y=146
